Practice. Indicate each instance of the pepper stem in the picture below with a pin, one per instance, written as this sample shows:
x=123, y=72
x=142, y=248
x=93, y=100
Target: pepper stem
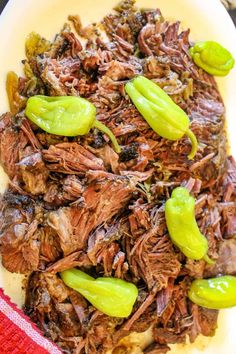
x=109, y=133
x=208, y=260
x=194, y=143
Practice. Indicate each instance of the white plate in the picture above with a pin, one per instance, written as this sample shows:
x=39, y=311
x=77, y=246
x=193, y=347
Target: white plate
x=207, y=19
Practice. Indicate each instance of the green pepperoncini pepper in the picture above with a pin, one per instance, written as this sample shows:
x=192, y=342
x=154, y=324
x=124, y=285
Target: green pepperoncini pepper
x=16, y=101
x=214, y=293
x=65, y=115
x=112, y=296
x=163, y=115
x=212, y=57
x=35, y=45
x=182, y=225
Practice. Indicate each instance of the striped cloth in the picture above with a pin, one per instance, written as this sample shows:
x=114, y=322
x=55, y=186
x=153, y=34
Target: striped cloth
x=18, y=335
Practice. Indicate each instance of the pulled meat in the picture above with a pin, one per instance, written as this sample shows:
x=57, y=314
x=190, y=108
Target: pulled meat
x=12, y=142
x=19, y=239
x=226, y=260
x=71, y=158
x=102, y=199
x=34, y=173
x=74, y=202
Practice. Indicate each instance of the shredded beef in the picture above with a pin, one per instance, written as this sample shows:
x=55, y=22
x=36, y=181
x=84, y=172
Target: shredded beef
x=75, y=202
x=48, y=304
x=34, y=174
x=226, y=261
x=102, y=199
x=157, y=349
x=71, y=158
x=129, y=153
x=19, y=239
x=11, y=143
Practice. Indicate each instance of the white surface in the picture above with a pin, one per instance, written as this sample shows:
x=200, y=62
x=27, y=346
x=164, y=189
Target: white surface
x=207, y=20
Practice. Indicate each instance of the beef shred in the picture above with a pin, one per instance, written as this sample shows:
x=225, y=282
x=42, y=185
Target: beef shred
x=73, y=202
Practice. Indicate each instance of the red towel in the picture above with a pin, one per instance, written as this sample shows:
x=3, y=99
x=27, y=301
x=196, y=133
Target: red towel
x=18, y=335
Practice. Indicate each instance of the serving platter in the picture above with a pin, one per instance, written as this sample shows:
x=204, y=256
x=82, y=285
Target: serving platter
x=207, y=19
